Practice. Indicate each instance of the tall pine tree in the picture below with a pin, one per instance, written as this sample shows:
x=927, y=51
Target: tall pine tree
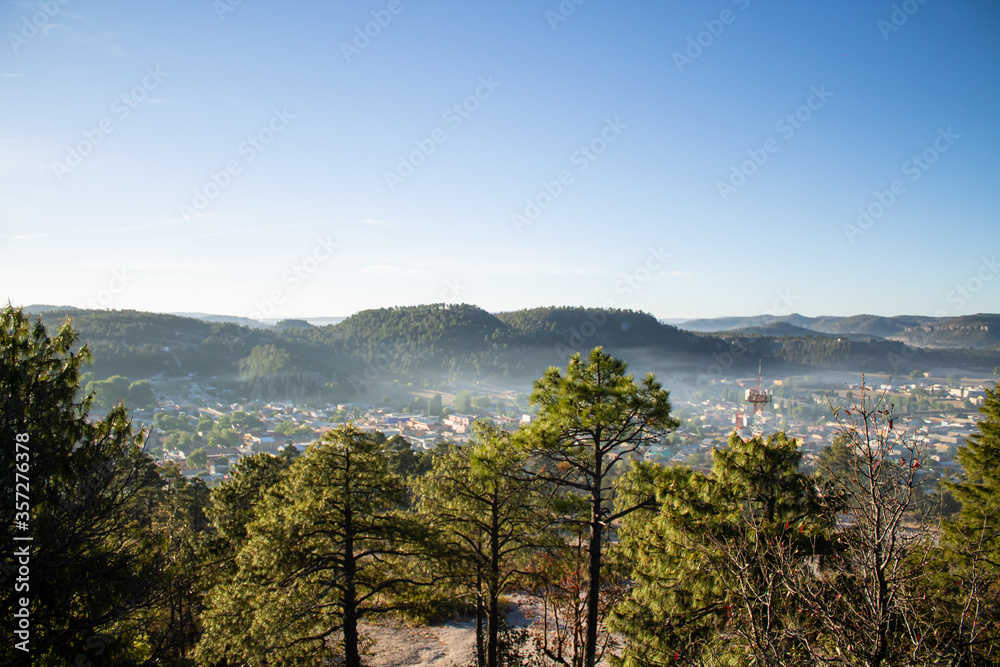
x=972, y=541
x=324, y=549
x=83, y=496
x=711, y=564
x=489, y=513
x=591, y=419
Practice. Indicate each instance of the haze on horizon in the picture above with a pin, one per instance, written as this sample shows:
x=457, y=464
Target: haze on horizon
x=691, y=160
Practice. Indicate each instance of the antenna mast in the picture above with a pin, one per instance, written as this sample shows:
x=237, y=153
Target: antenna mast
x=759, y=398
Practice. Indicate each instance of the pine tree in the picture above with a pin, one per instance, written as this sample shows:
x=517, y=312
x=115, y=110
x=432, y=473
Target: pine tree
x=978, y=488
x=234, y=504
x=972, y=541
x=87, y=488
x=711, y=565
x=835, y=461
x=178, y=520
x=591, y=419
x=324, y=549
x=489, y=513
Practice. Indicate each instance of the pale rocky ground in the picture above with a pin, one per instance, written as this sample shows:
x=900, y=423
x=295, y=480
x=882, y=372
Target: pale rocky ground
x=396, y=645
x=450, y=644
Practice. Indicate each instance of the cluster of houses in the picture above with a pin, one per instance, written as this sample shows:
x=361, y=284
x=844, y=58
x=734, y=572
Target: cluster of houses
x=711, y=421
x=422, y=432
x=708, y=424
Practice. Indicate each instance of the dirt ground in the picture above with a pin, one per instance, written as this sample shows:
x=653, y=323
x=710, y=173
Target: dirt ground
x=396, y=645
x=450, y=644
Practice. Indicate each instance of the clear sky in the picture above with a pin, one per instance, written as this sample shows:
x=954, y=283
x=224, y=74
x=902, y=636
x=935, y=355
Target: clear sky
x=690, y=159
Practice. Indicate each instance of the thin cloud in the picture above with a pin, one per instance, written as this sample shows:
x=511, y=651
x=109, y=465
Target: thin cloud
x=375, y=222
x=294, y=225
x=70, y=70
x=168, y=221
x=26, y=237
x=572, y=271
x=119, y=52
x=110, y=265
x=380, y=269
x=49, y=26
x=81, y=37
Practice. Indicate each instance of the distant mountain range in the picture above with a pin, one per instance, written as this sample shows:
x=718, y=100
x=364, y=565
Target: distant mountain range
x=230, y=319
x=210, y=317
x=980, y=331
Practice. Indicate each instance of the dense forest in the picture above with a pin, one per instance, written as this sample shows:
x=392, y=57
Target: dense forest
x=434, y=343
x=754, y=562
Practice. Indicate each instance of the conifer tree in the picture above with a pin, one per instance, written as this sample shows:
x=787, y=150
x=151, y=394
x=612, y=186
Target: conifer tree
x=591, y=419
x=489, y=513
x=234, y=502
x=972, y=541
x=173, y=624
x=712, y=563
x=324, y=549
x=87, y=488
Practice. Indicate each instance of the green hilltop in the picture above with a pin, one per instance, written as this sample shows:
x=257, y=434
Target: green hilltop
x=430, y=343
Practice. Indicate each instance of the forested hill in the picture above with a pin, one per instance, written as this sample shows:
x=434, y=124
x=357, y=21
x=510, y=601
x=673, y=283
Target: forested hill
x=461, y=327
x=465, y=339
x=445, y=341
x=142, y=344
x=438, y=339
x=409, y=343
x=608, y=327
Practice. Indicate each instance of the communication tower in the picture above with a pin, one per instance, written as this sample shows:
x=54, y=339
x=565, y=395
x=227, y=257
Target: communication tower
x=759, y=398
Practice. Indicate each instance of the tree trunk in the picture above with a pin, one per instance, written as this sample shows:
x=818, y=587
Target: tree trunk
x=480, y=612
x=351, y=654
x=493, y=588
x=594, y=575
x=493, y=625
x=352, y=658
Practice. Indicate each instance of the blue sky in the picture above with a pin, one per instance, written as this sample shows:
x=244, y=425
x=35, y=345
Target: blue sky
x=689, y=159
